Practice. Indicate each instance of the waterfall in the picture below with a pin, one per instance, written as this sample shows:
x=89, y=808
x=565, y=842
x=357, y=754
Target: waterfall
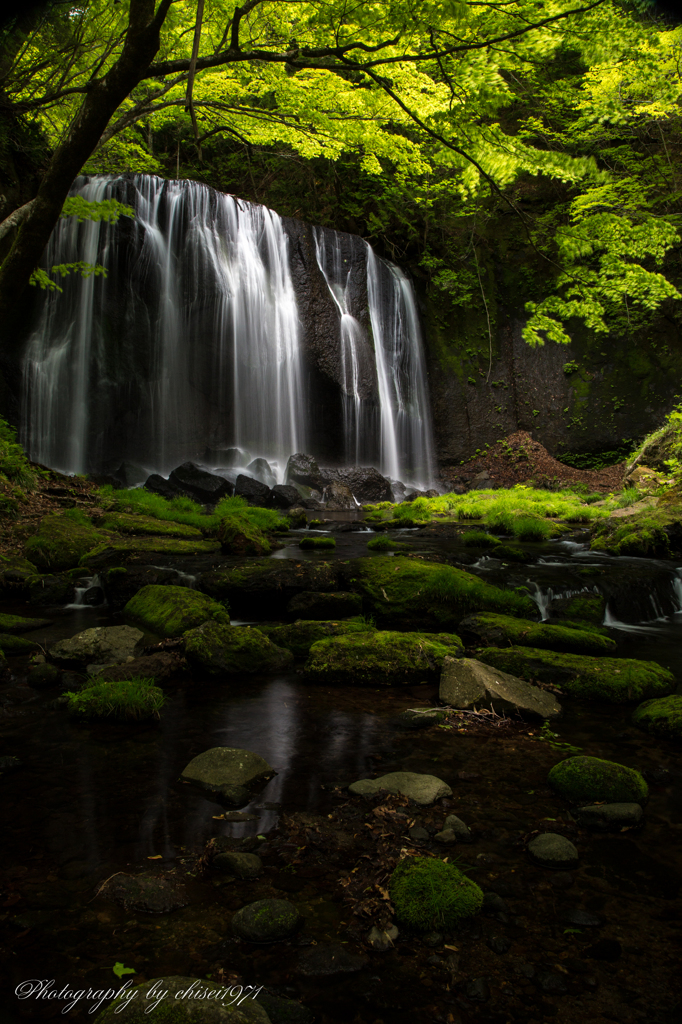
x=194, y=340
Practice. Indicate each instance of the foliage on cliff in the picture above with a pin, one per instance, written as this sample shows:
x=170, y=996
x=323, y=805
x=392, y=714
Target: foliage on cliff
x=421, y=108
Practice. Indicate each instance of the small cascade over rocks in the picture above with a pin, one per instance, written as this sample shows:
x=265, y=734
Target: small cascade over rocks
x=222, y=334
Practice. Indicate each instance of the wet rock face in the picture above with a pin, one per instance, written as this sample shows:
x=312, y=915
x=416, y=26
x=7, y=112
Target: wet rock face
x=466, y=683
x=303, y=469
x=338, y=496
x=255, y=492
x=159, y=666
x=226, y=458
x=366, y=484
x=284, y=496
x=207, y=488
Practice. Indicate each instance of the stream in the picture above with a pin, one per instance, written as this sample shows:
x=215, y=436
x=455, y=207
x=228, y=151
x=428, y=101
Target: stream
x=90, y=800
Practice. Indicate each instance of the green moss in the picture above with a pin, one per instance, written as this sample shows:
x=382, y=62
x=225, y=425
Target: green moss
x=663, y=717
x=14, y=465
x=381, y=658
x=503, y=630
x=114, y=548
x=615, y=680
x=646, y=534
x=61, y=541
x=385, y=543
x=587, y=779
x=317, y=543
x=511, y=554
x=429, y=894
x=221, y=649
x=412, y=593
x=239, y=536
x=119, y=522
x=127, y=698
x=11, y=644
x=478, y=539
x=19, y=624
x=169, y=611
x=302, y=634
x=587, y=607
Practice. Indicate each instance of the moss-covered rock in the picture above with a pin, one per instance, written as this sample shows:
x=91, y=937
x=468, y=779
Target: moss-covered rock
x=580, y=608
x=20, y=624
x=11, y=644
x=54, y=589
x=266, y=921
x=429, y=894
x=315, y=605
x=120, y=522
x=170, y=611
x=221, y=649
x=239, y=536
x=411, y=593
x=510, y=553
x=381, y=658
x=654, y=531
x=299, y=636
x=317, y=543
x=264, y=588
x=61, y=541
x=504, y=630
x=114, y=550
x=16, y=576
x=582, y=780
x=121, y=583
x=663, y=717
x=616, y=680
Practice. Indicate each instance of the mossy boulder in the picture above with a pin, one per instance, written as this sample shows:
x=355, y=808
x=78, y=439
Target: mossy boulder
x=19, y=624
x=581, y=780
x=663, y=717
x=266, y=921
x=317, y=543
x=120, y=522
x=11, y=644
x=429, y=894
x=99, y=645
x=16, y=576
x=170, y=611
x=114, y=550
x=239, y=536
x=312, y=604
x=409, y=593
x=61, y=542
x=186, y=1001
x=221, y=649
x=121, y=583
x=615, y=680
x=54, y=589
x=381, y=658
x=299, y=636
x=229, y=772
x=504, y=630
x=264, y=588
x=510, y=553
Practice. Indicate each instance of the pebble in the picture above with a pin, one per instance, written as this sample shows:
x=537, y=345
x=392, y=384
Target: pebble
x=553, y=851
x=382, y=940
x=447, y=836
x=499, y=944
x=551, y=983
x=418, y=834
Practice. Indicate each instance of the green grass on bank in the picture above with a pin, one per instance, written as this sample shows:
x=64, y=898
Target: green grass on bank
x=180, y=509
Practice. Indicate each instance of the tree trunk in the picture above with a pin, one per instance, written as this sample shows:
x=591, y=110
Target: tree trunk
x=106, y=94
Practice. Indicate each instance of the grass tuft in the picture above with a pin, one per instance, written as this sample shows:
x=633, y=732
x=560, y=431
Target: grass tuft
x=132, y=699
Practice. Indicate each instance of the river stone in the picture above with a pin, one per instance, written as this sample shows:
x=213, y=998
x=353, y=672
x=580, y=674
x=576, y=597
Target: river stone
x=182, y=1001
x=312, y=604
x=382, y=940
x=159, y=666
x=418, y=718
x=603, y=817
x=144, y=893
x=303, y=469
x=338, y=497
x=243, y=865
x=266, y=920
x=205, y=487
x=467, y=683
x=255, y=492
x=423, y=789
x=284, y=496
x=457, y=826
x=553, y=851
x=102, y=645
x=19, y=624
x=228, y=772
x=447, y=837
x=329, y=958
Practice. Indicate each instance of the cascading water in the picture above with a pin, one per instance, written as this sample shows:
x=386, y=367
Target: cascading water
x=197, y=315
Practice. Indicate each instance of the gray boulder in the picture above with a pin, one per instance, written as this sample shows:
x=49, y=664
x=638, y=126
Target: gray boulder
x=604, y=817
x=284, y=496
x=229, y=773
x=201, y=485
x=468, y=683
x=260, y=468
x=255, y=492
x=423, y=789
x=266, y=921
x=553, y=851
x=303, y=469
x=338, y=497
x=101, y=645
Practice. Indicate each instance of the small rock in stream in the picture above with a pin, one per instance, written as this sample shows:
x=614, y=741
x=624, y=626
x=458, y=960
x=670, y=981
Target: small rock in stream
x=553, y=851
x=457, y=826
x=243, y=865
x=423, y=789
x=382, y=940
x=447, y=837
x=605, y=817
x=329, y=958
x=266, y=921
x=144, y=893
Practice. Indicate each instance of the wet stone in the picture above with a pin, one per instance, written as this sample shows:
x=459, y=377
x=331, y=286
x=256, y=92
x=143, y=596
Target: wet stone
x=493, y=904
x=243, y=865
x=382, y=940
x=144, y=893
x=604, y=817
x=329, y=958
x=499, y=944
x=420, y=719
x=423, y=789
x=478, y=990
x=553, y=851
x=447, y=837
x=418, y=834
x=582, y=918
x=457, y=826
x=228, y=772
x=266, y=921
